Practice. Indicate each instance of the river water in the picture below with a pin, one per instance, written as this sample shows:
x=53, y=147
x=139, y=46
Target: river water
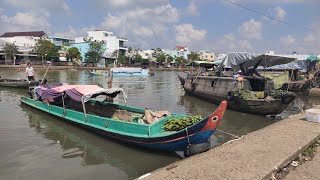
x=35, y=145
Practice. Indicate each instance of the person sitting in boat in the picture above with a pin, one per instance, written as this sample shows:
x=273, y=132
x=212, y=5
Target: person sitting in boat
x=29, y=72
x=252, y=72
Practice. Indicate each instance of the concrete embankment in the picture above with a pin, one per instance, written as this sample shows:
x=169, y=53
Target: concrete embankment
x=255, y=156
x=41, y=67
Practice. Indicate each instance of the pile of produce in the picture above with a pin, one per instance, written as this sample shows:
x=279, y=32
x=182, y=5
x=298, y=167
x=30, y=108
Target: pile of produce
x=276, y=94
x=244, y=94
x=177, y=124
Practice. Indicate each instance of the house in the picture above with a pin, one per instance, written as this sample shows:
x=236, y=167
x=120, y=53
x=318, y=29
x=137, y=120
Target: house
x=113, y=43
x=60, y=41
x=208, y=56
x=25, y=41
x=182, y=51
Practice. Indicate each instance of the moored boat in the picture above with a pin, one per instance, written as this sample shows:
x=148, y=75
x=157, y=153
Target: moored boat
x=74, y=104
x=215, y=89
x=123, y=71
x=16, y=83
x=248, y=92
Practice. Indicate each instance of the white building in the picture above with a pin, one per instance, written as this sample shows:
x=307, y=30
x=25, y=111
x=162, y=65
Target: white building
x=23, y=39
x=113, y=43
x=208, y=56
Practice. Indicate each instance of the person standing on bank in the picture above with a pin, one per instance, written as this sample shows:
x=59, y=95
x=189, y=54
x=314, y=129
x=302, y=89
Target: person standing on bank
x=29, y=72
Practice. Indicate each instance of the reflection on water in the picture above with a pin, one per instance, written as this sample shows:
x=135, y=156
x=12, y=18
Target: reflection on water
x=92, y=149
x=38, y=146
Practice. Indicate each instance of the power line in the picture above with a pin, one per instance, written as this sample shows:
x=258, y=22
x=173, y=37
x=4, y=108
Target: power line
x=267, y=16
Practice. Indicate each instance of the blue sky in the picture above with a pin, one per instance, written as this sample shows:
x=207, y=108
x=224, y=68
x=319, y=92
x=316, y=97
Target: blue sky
x=200, y=24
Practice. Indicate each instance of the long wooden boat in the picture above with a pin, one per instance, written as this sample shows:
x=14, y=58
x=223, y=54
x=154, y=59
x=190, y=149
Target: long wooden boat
x=17, y=83
x=215, y=89
x=98, y=116
x=123, y=71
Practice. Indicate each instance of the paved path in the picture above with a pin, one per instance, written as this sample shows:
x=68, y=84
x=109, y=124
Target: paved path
x=308, y=171
x=253, y=157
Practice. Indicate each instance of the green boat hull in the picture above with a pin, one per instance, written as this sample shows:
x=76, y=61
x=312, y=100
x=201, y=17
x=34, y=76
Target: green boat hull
x=144, y=135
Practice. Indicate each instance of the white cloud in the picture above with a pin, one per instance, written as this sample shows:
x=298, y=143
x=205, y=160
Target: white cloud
x=309, y=38
x=186, y=33
x=245, y=45
x=143, y=32
x=287, y=40
x=131, y=3
x=23, y=21
x=52, y=6
x=70, y=33
x=280, y=13
x=276, y=1
x=311, y=41
x=230, y=42
x=229, y=37
x=142, y=24
x=251, y=29
x=192, y=8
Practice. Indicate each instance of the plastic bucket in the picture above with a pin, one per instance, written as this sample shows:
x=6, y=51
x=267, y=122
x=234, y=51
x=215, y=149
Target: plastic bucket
x=313, y=115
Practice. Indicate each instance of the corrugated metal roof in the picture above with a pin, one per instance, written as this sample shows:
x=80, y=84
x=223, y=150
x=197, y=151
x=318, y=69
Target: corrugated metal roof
x=27, y=33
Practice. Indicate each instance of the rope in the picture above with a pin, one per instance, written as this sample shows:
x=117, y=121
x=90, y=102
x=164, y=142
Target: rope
x=235, y=136
x=234, y=140
x=188, y=136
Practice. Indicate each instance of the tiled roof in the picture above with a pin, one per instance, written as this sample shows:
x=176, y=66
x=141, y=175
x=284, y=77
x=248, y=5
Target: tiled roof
x=30, y=33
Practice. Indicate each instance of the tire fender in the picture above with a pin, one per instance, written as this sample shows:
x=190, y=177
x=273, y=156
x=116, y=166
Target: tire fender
x=288, y=97
x=197, y=148
x=229, y=95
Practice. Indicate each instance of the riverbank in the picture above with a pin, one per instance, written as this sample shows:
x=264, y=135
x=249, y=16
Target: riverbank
x=41, y=67
x=257, y=155
x=309, y=170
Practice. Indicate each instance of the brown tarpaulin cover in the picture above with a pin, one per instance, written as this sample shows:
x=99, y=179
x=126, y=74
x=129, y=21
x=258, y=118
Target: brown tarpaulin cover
x=153, y=116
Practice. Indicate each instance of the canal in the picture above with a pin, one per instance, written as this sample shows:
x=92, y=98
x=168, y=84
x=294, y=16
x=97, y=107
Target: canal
x=35, y=145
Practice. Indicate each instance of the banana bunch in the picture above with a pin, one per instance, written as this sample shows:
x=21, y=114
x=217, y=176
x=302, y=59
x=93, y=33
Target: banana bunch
x=177, y=124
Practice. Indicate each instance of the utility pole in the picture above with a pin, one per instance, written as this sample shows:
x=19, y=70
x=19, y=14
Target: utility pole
x=14, y=59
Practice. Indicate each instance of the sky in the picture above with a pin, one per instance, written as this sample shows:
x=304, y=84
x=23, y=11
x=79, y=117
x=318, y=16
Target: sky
x=280, y=25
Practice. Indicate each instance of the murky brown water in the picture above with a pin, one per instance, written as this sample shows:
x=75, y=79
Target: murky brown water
x=35, y=145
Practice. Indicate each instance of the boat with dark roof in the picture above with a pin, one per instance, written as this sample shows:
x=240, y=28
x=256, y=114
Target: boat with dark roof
x=247, y=92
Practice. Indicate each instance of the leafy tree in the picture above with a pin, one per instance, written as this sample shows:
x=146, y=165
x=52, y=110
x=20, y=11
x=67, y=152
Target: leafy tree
x=123, y=60
x=46, y=49
x=95, y=52
x=10, y=49
x=181, y=61
x=145, y=61
x=137, y=57
x=169, y=59
x=161, y=58
x=130, y=49
x=157, y=52
x=115, y=53
x=73, y=53
x=193, y=56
